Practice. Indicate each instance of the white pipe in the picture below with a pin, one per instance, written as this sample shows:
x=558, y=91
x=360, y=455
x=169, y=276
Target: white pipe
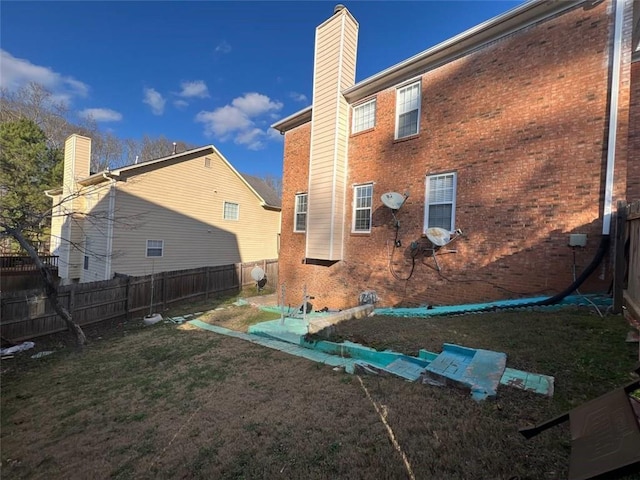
x=613, y=115
x=110, y=220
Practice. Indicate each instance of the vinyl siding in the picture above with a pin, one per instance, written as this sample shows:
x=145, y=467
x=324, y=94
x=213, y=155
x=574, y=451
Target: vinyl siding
x=96, y=227
x=181, y=203
x=334, y=70
x=77, y=158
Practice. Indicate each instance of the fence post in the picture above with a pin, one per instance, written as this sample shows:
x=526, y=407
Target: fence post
x=206, y=282
x=165, y=290
x=72, y=301
x=127, y=300
x=619, y=263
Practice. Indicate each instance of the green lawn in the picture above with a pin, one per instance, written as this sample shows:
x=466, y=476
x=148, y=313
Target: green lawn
x=175, y=402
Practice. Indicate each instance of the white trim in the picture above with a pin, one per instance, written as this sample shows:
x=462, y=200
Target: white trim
x=296, y=213
x=355, y=208
x=154, y=248
x=453, y=202
x=224, y=210
x=397, y=113
x=360, y=105
x=110, y=221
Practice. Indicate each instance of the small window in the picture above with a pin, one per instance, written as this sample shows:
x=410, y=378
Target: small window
x=408, y=110
x=364, y=116
x=231, y=211
x=85, y=264
x=362, y=201
x=440, y=205
x=301, y=213
x=155, y=248
x=207, y=162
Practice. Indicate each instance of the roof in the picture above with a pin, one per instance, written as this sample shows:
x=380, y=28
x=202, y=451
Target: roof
x=267, y=196
x=268, y=193
x=457, y=46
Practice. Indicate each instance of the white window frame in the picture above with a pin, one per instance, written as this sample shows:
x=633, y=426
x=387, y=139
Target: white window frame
x=451, y=201
x=356, y=208
x=358, y=117
x=155, y=247
x=296, y=212
x=224, y=211
x=402, y=109
x=86, y=259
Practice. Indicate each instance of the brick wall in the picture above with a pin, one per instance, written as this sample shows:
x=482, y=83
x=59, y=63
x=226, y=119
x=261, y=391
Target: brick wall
x=522, y=122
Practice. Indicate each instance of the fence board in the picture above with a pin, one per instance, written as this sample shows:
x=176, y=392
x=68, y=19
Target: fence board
x=27, y=314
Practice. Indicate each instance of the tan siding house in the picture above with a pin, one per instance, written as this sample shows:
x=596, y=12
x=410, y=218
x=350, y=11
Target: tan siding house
x=187, y=210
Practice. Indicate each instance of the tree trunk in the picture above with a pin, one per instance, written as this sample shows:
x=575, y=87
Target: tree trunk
x=50, y=288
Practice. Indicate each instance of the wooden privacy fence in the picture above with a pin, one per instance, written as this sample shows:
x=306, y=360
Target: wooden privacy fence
x=627, y=272
x=28, y=314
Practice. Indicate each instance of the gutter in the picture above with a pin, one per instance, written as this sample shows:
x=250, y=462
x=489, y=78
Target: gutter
x=110, y=221
x=616, y=65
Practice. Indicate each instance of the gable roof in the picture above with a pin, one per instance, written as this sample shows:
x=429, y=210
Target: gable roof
x=270, y=196
x=267, y=197
x=455, y=47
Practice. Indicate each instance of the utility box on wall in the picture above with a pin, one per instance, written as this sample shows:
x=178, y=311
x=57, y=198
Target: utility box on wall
x=578, y=240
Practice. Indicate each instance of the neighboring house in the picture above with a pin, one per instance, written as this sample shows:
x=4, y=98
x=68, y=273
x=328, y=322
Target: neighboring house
x=516, y=131
x=187, y=210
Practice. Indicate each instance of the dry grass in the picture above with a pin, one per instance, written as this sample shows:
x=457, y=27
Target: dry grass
x=169, y=402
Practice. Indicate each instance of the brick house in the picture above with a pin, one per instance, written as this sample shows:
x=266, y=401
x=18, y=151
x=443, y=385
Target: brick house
x=520, y=132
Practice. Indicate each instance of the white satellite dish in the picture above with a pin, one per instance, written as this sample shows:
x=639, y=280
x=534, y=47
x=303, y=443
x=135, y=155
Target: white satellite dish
x=438, y=236
x=393, y=200
x=257, y=274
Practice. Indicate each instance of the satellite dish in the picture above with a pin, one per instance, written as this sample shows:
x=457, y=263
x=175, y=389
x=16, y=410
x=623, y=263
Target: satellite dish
x=257, y=274
x=438, y=236
x=393, y=200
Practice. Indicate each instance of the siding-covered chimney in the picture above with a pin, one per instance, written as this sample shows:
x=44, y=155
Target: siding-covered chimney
x=77, y=161
x=334, y=71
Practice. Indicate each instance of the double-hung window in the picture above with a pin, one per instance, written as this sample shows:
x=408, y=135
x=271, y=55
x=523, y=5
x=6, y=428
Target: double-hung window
x=440, y=204
x=408, y=110
x=231, y=211
x=362, y=202
x=364, y=116
x=155, y=248
x=300, y=220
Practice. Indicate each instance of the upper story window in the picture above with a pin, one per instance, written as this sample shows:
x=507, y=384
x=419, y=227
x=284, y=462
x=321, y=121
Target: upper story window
x=155, y=248
x=440, y=204
x=364, y=116
x=362, y=202
x=408, y=110
x=300, y=224
x=231, y=211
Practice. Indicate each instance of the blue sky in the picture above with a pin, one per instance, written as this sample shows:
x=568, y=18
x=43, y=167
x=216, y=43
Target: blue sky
x=207, y=72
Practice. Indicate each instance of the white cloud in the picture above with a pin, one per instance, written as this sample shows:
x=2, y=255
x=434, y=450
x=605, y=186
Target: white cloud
x=18, y=72
x=254, y=104
x=180, y=104
x=101, y=114
x=155, y=100
x=224, y=120
x=195, y=89
x=252, y=138
x=238, y=120
x=223, y=47
x=298, y=97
